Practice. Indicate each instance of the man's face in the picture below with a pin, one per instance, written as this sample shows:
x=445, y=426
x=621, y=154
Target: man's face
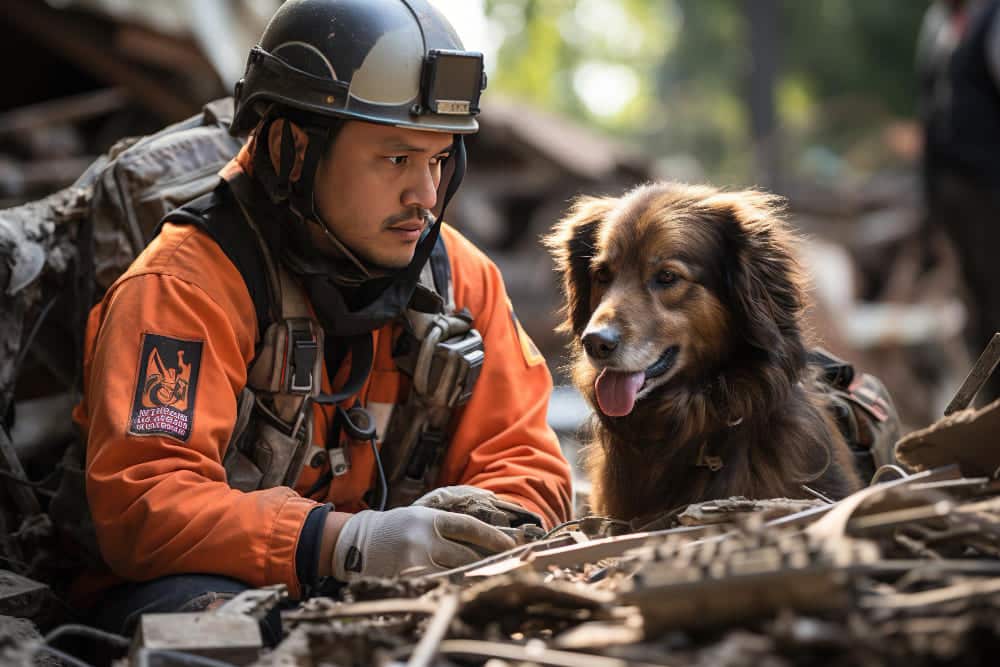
x=374, y=187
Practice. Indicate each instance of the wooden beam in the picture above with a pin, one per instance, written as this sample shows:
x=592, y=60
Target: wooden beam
x=63, y=110
x=89, y=49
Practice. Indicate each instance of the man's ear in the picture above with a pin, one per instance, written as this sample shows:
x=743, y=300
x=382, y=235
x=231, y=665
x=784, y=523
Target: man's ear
x=572, y=245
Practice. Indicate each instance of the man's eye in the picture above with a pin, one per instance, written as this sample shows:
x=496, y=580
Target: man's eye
x=438, y=159
x=397, y=159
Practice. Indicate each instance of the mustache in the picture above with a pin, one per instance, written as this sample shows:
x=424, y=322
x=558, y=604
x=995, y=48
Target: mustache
x=418, y=213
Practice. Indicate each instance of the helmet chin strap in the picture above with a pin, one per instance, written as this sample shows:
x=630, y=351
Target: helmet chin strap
x=342, y=249
x=456, y=164
x=391, y=294
x=299, y=195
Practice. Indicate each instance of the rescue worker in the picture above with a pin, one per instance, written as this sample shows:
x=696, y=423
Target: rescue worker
x=958, y=62
x=301, y=348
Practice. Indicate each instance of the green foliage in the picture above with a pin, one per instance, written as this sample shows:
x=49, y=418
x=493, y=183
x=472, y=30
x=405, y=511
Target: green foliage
x=548, y=43
x=857, y=47
x=846, y=70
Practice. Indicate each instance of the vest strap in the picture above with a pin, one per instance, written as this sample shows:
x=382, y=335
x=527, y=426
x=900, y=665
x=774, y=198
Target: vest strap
x=274, y=431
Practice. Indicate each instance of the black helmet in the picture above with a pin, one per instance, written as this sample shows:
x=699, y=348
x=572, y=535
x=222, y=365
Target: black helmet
x=396, y=62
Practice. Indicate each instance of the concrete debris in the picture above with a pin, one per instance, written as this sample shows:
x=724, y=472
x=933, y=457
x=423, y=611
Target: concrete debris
x=17, y=636
x=20, y=596
x=231, y=638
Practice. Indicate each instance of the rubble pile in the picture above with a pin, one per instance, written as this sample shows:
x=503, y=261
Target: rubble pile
x=904, y=572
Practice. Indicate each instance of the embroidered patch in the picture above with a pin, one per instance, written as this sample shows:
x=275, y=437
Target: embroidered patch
x=531, y=354
x=163, y=403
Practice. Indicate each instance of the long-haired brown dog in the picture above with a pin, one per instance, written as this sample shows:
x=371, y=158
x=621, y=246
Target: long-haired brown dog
x=685, y=306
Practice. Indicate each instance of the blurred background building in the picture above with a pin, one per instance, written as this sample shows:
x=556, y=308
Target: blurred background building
x=815, y=100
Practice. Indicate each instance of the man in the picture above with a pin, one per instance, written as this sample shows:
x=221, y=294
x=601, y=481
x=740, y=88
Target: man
x=246, y=376
x=959, y=65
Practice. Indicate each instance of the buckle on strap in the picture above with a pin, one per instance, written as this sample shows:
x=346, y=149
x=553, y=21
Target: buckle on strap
x=447, y=367
x=303, y=348
x=458, y=361
x=429, y=442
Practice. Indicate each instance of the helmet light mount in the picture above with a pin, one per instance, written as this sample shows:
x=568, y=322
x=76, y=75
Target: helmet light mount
x=452, y=83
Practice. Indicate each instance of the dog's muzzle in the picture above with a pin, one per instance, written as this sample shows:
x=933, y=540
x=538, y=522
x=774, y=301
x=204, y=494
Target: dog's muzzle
x=616, y=391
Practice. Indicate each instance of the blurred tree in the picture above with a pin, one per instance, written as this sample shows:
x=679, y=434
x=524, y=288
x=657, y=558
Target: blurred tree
x=593, y=59
x=674, y=75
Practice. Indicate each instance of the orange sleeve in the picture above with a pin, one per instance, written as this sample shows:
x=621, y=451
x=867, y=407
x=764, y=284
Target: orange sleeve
x=155, y=480
x=502, y=441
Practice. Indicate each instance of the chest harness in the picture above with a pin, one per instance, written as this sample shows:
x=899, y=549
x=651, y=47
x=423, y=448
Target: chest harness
x=438, y=350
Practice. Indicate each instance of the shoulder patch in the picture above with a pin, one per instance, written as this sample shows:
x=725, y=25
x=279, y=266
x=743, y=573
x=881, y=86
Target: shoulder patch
x=163, y=402
x=532, y=356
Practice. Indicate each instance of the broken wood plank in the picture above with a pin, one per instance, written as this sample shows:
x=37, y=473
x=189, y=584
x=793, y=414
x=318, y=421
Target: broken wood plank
x=68, y=109
x=62, y=32
x=977, y=377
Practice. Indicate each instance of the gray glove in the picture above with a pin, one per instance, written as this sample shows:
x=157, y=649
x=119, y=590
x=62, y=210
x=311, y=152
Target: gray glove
x=410, y=541
x=480, y=503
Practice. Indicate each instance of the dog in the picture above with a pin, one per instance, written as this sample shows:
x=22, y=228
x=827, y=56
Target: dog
x=685, y=305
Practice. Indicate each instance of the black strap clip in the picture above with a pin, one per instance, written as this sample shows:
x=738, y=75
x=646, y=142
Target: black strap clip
x=304, y=348
x=424, y=453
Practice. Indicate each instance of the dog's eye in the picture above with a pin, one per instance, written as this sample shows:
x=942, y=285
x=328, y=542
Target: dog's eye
x=602, y=276
x=664, y=278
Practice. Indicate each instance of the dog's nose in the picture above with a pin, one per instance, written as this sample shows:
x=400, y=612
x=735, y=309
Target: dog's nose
x=601, y=343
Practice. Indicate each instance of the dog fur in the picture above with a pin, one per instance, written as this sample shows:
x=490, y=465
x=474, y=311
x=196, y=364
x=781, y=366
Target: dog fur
x=707, y=278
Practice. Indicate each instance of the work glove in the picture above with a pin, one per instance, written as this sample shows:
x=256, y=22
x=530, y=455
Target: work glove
x=480, y=503
x=412, y=541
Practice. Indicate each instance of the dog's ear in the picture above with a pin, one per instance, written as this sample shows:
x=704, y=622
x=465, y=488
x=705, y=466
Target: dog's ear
x=572, y=245
x=763, y=278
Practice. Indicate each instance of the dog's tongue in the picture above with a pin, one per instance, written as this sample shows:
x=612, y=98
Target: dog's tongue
x=616, y=391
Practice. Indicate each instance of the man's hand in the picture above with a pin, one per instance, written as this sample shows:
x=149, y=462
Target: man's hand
x=480, y=503
x=412, y=540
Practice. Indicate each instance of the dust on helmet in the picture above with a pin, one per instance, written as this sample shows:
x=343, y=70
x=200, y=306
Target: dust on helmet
x=394, y=62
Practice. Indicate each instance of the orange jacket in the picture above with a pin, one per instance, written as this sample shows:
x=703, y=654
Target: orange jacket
x=161, y=504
